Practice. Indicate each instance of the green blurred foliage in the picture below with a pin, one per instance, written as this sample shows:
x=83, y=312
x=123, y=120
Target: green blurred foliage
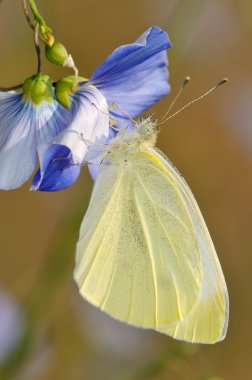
x=64, y=337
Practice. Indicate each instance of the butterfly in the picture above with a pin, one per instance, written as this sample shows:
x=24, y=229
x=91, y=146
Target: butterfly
x=144, y=254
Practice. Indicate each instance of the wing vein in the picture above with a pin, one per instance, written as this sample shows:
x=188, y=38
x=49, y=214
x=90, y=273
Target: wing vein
x=89, y=268
x=161, y=224
x=181, y=198
x=151, y=255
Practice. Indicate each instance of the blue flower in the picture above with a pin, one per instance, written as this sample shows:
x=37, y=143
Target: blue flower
x=27, y=127
x=63, y=159
x=134, y=77
x=30, y=122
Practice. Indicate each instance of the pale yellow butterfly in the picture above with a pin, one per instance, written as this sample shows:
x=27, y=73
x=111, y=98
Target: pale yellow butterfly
x=144, y=254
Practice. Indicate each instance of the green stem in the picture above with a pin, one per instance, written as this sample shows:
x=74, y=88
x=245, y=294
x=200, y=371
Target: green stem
x=36, y=14
x=38, y=18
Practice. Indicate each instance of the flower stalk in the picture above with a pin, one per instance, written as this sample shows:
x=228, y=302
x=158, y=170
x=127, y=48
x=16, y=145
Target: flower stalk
x=45, y=30
x=26, y=13
x=36, y=42
x=11, y=88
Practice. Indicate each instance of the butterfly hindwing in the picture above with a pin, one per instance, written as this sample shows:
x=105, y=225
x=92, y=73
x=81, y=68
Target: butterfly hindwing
x=207, y=322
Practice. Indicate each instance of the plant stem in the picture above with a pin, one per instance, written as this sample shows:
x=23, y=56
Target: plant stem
x=36, y=41
x=12, y=88
x=26, y=13
x=36, y=14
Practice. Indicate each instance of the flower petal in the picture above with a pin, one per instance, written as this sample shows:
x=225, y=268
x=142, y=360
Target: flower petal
x=51, y=120
x=17, y=141
x=82, y=141
x=25, y=130
x=60, y=170
x=89, y=126
x=135, y=76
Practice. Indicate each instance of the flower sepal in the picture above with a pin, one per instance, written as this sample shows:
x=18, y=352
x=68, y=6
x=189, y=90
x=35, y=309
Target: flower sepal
x=66, y=87
x=38, y=89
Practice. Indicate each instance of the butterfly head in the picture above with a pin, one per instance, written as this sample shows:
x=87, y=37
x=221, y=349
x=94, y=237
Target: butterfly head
x=146, y=128
x=128, y=142
x=144, y=133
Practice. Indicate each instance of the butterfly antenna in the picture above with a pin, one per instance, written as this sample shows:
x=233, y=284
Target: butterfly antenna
x=185, y=81
x=115, y=105
x=220, y=83
x=112, y=122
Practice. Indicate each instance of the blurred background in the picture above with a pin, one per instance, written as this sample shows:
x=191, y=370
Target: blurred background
x=46, y=330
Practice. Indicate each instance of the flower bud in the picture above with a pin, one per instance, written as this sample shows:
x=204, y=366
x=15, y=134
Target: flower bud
x=38, y=88
x=66, y=87
x=57, y=54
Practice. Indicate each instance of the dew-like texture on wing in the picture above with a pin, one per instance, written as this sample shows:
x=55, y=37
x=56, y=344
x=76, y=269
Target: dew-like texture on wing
x=137, y=255
x=207, y=322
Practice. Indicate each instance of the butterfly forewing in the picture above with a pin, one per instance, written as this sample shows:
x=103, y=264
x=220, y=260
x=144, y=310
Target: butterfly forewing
x=137, y=256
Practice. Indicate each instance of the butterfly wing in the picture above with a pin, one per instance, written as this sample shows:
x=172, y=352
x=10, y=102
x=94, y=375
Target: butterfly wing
x=208, y=320
x=137, y=256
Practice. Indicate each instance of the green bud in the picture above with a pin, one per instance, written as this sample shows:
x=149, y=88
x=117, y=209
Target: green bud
x=56, y=53
x=66, y=87
x=38, y=88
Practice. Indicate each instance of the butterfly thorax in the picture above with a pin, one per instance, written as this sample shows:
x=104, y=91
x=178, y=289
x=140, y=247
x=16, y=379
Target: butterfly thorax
x=143, y=136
